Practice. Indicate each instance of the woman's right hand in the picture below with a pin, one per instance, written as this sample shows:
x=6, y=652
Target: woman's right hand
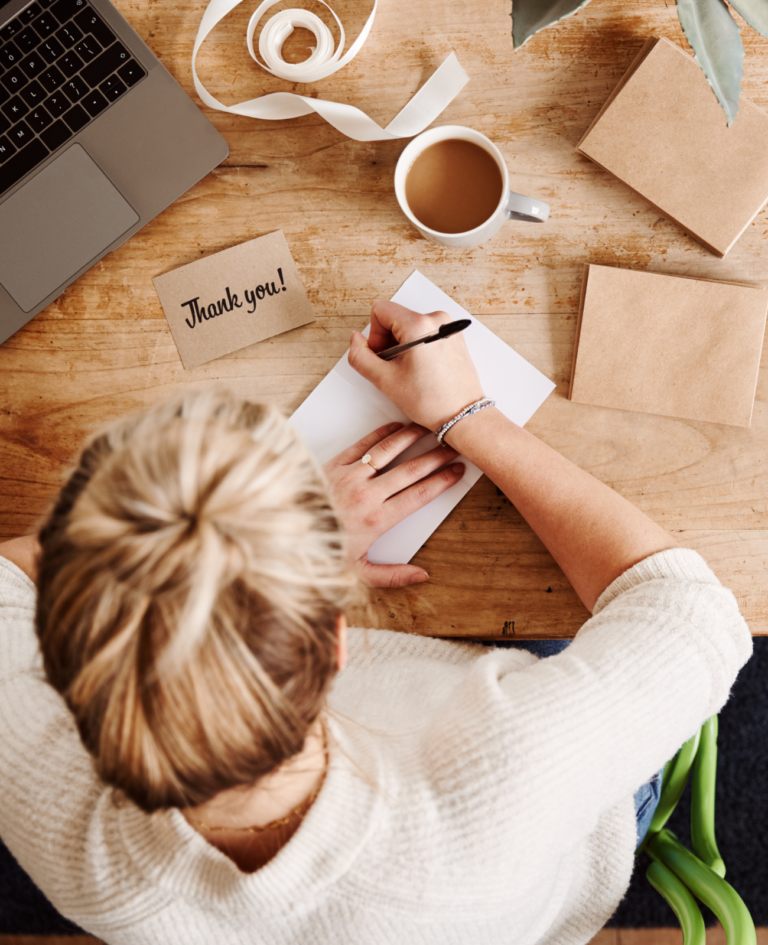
x=430, y=383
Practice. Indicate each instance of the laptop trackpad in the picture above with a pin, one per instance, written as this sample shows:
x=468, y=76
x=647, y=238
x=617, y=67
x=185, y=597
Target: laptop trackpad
x=58, y=222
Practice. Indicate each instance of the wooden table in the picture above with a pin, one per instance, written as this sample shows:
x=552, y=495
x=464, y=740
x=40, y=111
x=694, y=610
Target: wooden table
x=104, y=348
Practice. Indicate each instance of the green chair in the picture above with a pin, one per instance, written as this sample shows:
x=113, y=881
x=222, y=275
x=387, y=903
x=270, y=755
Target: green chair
x=679, y=874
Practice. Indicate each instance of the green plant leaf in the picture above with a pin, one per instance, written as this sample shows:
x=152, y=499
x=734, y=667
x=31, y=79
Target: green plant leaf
x=755, y=12
x=531, y=16
x=716, y=41
x=682, y=902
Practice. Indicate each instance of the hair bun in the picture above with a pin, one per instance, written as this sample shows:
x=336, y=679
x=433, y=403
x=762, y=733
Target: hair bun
x=191, y=576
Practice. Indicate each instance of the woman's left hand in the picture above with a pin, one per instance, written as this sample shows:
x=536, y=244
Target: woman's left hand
x=369, y=502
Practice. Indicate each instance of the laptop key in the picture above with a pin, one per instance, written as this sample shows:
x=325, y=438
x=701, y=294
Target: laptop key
x=46, y=3
x=88, y=49
x=6, y=149
x=77, y=117
x=68, y=35
x=10, y=55
x=4, y=123
x=26, y=40
x=94, y=102
x=10, y=29
x=70, y=64
x=113, y=88
x=90, y=22
x=131, y=72
x=57, y=104
x=33, y=10
x=65, y=9
x=95, y=73
x=56, y=135
x=51, y=50
x=38, y=119
x=45, y=25
x=51, y=79
x=21, y=134
x=33, y=65
x=14, y=80
x=33, y=94
x=75, y=88
x=15, y=108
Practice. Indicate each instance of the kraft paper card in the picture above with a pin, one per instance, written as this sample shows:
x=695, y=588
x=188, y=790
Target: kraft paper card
x=664, y=134
x=344, y=407
x=233, y=299
x=669, y=345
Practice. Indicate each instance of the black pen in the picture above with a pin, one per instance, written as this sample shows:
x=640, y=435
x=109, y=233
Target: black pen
x=444, y=331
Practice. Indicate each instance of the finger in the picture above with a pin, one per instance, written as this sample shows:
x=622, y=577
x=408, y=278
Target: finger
x=366, y=362
x=393, y=324
x=388, y=449
x=380, y=335
x=415, y=469
x=391, y=575
x=353, y=453
x=410, y=500
x=389, y=321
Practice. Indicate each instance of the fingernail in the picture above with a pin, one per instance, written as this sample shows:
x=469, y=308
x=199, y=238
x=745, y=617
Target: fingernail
x=420, y=578
x=394, y=427
x=458, y=468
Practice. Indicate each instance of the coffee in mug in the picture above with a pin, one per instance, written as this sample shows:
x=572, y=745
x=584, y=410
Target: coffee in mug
x=452, y=184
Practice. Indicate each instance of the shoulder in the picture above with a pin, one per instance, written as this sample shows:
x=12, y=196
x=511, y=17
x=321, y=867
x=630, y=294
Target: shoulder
x=24, y=552
x=18, y=643
x=382, y=646
x=14, y=584
x=399, y=681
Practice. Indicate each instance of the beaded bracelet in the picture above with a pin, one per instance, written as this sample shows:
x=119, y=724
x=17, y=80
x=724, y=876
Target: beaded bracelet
x=466, y=412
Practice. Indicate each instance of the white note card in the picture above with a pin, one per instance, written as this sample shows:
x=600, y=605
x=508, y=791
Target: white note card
x=344, y=407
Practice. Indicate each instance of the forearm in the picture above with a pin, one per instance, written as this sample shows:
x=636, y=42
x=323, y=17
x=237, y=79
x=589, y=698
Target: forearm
x=592, y=532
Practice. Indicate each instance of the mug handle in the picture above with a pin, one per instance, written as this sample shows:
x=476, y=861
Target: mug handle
x=519, y=207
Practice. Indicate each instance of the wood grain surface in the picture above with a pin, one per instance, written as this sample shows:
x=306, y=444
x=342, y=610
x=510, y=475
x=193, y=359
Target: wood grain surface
x=104, y=348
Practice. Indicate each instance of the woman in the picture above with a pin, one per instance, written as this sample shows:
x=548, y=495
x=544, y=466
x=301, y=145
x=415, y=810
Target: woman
x=190, y=615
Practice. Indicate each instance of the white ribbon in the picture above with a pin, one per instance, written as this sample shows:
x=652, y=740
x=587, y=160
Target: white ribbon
x=438, y=91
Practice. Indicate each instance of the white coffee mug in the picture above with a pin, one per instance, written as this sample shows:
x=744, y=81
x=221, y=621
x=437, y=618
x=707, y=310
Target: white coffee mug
x=511, y=206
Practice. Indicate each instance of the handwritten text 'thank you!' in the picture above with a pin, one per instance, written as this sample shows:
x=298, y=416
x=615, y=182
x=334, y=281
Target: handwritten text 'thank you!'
x=206, y=312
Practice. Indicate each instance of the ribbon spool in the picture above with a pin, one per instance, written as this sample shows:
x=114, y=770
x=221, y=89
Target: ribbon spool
x=326, y=58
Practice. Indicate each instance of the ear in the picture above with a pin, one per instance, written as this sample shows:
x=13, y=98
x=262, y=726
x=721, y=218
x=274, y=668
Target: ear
x=342, y=652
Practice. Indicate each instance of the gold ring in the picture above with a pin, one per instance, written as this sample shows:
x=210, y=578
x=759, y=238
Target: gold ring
x=367, y=461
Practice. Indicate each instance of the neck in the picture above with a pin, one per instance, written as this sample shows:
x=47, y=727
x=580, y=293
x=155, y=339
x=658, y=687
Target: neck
x=273, y=796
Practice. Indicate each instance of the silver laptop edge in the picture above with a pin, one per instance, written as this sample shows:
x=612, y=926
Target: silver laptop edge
x=152, y=144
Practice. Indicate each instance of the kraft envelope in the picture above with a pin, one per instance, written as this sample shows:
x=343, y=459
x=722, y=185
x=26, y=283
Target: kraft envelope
x=664, y=134
x=344, y=407
x=232, y=299
x=669, y=345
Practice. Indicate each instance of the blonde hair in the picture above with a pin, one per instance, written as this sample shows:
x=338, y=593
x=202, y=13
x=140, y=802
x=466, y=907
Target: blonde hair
x=191, y=579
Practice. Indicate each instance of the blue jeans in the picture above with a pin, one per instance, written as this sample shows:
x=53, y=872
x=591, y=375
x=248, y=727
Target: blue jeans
x=647, y=795
x=646, y=801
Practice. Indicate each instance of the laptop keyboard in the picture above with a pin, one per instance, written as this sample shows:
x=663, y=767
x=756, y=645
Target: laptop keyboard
x=60, y=67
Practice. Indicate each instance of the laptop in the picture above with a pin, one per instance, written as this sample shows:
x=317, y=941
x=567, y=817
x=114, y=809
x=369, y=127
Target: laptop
x=96, y=139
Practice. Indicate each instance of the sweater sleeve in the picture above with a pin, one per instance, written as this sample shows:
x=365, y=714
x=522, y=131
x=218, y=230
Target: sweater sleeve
x=576, y=734
x=47, y=781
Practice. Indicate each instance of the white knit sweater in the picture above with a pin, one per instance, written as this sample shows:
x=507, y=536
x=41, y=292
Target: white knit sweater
x=474, y=796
